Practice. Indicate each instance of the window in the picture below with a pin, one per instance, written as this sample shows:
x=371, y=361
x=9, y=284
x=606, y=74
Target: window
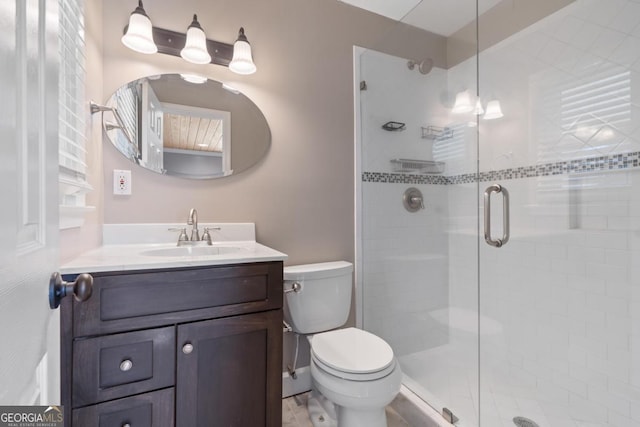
x=72, y=140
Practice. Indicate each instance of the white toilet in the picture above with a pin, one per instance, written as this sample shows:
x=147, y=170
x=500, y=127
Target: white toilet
x=354, y=373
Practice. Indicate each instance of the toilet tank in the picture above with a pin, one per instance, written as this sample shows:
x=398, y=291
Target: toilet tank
x=324, y=297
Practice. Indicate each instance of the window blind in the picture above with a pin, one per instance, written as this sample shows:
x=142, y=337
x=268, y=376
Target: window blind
x=72, y=140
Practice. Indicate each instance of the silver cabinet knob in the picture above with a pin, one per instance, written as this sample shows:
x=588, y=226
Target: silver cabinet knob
x=126, y=365
x=187, y=348
x=126, y=425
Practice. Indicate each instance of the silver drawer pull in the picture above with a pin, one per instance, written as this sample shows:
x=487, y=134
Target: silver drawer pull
x=126, y=425
x=187, y=348
x=125, y=366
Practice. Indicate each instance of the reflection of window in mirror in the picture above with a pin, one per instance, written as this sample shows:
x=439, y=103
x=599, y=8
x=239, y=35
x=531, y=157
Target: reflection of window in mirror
x=126, y=102
x=150, y=142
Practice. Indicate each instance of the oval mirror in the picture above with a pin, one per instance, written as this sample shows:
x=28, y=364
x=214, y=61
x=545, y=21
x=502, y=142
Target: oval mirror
x=177, y=125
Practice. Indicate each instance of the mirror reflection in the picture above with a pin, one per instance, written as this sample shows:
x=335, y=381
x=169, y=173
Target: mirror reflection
x=188, y=127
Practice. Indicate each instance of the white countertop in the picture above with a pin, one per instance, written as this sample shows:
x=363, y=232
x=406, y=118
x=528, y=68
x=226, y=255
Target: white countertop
x=119, y=254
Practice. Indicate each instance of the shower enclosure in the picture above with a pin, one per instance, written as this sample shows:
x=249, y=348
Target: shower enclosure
x=533, y=112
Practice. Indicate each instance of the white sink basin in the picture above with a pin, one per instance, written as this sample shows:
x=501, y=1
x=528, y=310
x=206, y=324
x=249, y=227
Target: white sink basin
x=192, y=251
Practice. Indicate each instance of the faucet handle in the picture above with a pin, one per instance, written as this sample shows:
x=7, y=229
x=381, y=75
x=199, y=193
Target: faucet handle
x=206, y=236
x=183, y=234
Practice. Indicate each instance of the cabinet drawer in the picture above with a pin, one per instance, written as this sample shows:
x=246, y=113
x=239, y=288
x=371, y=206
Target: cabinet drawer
x=146, y=410
x=137, y=300
x=114, y=366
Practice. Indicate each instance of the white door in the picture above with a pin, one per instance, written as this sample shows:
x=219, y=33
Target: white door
x=29, y=342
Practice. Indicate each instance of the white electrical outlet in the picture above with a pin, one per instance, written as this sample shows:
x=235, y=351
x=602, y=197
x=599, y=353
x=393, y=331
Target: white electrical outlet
x=121, y=182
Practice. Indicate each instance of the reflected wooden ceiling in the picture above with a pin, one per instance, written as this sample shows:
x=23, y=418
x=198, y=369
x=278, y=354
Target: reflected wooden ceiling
x=192, y=133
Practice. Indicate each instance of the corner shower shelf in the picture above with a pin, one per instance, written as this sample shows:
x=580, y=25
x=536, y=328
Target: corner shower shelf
x=394, y=126
x=417, y=166
x=437, y=133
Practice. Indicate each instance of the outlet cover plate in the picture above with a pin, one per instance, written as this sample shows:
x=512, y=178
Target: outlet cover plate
x=121, y=182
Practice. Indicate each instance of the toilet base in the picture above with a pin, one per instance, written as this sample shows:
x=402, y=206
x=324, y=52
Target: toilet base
x=348, y=417
x=321, y=411
x=324, y=413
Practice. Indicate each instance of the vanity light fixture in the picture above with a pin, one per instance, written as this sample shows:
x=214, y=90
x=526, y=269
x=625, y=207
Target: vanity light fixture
x=494, y=111
x=138, y=35
x=242, y=62
x=193, y=46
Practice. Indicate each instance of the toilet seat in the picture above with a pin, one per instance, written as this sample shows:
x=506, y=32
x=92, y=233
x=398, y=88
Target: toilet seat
x=353, y=354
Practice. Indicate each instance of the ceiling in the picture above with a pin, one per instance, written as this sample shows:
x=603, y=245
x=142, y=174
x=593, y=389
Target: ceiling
x=442, y=17
x=192, y=133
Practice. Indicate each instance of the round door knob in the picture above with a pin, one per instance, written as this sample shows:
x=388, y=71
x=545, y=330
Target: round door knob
x=81, y=288
x=126, y=365
x=187, y=348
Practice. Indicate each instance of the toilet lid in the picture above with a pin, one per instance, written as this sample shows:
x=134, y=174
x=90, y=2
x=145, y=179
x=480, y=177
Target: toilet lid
x=352, y=350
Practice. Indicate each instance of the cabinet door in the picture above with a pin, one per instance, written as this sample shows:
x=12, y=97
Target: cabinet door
x=229, y=372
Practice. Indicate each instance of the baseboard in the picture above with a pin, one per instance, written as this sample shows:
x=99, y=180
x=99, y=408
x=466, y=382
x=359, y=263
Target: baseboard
x=301, y=384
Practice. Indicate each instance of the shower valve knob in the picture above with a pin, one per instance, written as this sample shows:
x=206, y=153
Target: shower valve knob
x=413, y=200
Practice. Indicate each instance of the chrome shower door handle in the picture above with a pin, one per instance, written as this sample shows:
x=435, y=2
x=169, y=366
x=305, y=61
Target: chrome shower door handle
x=496, y=188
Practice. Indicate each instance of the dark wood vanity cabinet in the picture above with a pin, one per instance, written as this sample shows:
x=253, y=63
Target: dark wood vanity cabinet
x=183, y=347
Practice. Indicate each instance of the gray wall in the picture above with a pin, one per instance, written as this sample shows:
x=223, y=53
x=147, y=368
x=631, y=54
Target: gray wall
x=301, y=195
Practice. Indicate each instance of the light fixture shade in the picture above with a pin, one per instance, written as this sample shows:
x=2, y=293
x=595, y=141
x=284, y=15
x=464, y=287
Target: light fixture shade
x=231, y=89
x=494, y=111
x=195, y=48
x=242, y=61
x=193, y=78
x=138, y=34
x=463, y=103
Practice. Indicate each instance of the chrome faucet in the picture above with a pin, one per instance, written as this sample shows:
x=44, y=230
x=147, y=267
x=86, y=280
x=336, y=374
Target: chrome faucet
x=193, y=221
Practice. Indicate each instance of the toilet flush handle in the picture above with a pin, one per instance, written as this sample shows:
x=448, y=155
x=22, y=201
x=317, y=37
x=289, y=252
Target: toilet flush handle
x=296, y=287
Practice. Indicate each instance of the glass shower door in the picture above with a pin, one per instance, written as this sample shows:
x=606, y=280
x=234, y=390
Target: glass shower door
x=417, y=266
x=559, y=302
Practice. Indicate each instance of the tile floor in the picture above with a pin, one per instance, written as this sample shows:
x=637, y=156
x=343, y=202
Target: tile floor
x=294, y=413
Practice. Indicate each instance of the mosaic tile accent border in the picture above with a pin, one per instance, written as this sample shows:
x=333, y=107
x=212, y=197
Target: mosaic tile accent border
x=404, y=178
x=591, y=164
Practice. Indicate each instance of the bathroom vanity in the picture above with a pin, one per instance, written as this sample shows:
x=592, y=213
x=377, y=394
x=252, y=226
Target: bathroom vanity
x=184, y=340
